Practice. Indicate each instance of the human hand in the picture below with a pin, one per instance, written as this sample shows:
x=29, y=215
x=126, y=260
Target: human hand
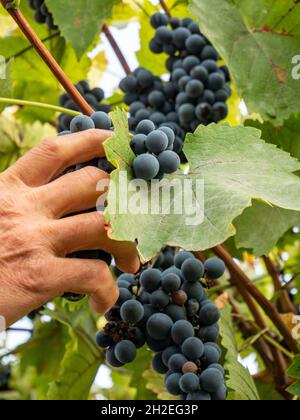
x=36, y=236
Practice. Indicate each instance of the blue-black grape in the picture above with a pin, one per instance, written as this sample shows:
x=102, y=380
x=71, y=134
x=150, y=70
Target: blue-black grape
x=190, y=62
x=171, y=283
x=216, y=81
x=157, y=142
x=103, y=340
x=182, y=330
x=195, y=44
x=218, y=367
x=159, y=326
x=211, y=354
x=164, y=35
x=180, y=35
x=81, y=123
x=169, y=133
x=111, y=358
x=145, y=127
x=194, y=88
x=151, y=279
x=211, y=380
x=209, y=53
x=159, y=19
x=124, y=295
x=220, y=394
x=193, y=348
x=138, y=337
x=181, y=257
x=192, y=270
x=132, y=311
x=186, y=112
x=189, y=382
x=138, y=144
x=214, y=268
x=168, y=352
x=209, y=314
x=146, y=167
x=158, y=364
x=172, y=383
x=209, y=334
x=101, y=120
x=169, y=162
x=193, y=290
x=159, y=299
x=125, y=351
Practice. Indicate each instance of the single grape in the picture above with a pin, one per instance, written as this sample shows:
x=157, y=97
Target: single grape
x=156, y=99
x=195, y=44
x=125, y=351
x=151, y=279
x=158, y=365
x=130, y=278
x=138, y=337
x=171, y=283
x=186, y=22
x=138, y=144
x=98, y=93
x=169, y=133
x=193, y=348
x=214, y=268
x=176, y=362
x=175, y=312
x=103, y=340
x=219, y=111
x=222, y=95
x=129, y=84
x=155, y=46
x=172, y=383
x=208, y=96
x=209, y=314
x=209, y=53
x=203, y=111
x=200, y=73
x=144, y=297
x=194, y=28
x=135, y=107
x=178, y=74
x=183, y=82
x=194, y=89
x=159, y=299
x=125, y=295
x=145, y=78
x=159, y=326
x=145, y=127
x=179, y=297
x=132, y=311
x=168, y=352
x=157, y=142
x=186, y=112
x=159, y=19
x=182, y=99
x=164, y=35
x=180, y=35
x=211, y=380
x=218, y=367
x=101, y=120
x=123, y=283
x=216, y=81
x=189, y=382
x=190, y=62
x=209, y=334
x=210, y=65
x=211, y=354
x=81, y=123
x=192, y=270
x=181, y=257
x=189, y=367
x=142, y=114
x=169, y=162
x=111, y=358
x=158, y=118
x=146, y=166
x=182, y=330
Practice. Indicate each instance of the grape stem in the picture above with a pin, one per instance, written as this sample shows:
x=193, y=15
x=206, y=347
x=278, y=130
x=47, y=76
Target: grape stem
x=284, y=300
x=107, y=32
x=48, y=59
x=165, y=7
x=245, y=284
x=20, y=102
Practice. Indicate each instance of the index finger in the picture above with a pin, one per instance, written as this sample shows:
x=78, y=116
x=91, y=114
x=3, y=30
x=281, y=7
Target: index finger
x=46, y=161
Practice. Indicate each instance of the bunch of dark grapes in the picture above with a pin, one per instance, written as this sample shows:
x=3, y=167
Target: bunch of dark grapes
x=42, y=14
x=154, y=150
x=167, y=309
x=197, y=90
x=94, y=98
x=102, y=121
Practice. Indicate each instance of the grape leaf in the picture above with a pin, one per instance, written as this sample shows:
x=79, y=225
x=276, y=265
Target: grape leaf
x=294, y=372
x=261, y=226
x=80, y=22
x=81, y=360
x=258, y=41
x=235, y=166
x=238, y=379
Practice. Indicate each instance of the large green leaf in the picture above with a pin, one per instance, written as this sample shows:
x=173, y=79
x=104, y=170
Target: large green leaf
x=238, y=379
x=235, y=166
x=81, y=360
x=80, y=21
x=258, y=40
x=261, y=226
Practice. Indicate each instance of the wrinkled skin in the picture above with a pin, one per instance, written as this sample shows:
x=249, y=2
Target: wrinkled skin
x=36, y=236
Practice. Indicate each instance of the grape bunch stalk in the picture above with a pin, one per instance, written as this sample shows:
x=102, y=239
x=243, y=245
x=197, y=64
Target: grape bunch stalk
x=198, y=87
x=167, y=309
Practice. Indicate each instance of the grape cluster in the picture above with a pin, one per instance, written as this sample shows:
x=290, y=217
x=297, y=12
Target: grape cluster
x=102, y=121
x=197, y=90
x=154, y=152
x=94, y=98
x=42, y=14
x=167, y=309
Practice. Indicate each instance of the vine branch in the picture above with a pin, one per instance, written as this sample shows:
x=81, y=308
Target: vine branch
x=116, y=49
x=48, y=58
x=269, y=308
x=21, y=102
x=165, y=7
